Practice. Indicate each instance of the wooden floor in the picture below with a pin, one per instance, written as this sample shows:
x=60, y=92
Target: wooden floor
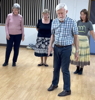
x=29, y=82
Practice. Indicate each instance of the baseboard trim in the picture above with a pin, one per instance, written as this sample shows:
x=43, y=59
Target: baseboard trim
x=92, y=53
x=20, y=45
x=24, y=46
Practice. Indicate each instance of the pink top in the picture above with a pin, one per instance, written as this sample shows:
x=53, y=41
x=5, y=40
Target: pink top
x=14, y=24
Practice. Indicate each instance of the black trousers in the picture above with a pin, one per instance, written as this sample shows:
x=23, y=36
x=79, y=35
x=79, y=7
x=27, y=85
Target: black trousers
x=62, y=61
x=13, y=41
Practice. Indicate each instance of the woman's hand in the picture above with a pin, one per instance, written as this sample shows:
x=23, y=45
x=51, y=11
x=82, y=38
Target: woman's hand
x=22, y=38
x=8, y=37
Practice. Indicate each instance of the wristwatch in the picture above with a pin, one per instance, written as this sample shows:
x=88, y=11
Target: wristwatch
x=77, y=51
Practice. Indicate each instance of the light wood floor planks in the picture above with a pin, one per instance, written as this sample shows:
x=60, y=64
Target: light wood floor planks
x=29, y=82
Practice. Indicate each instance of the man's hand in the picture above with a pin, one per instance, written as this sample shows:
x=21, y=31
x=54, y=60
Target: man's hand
x=50, y=50
x=76, y=56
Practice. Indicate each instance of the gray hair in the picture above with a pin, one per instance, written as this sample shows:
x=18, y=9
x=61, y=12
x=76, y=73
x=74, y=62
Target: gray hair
x=16, y=5
x=61, y=5
x=45, y=11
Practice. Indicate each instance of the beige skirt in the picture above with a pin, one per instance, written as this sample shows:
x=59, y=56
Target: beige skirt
x=84, y=52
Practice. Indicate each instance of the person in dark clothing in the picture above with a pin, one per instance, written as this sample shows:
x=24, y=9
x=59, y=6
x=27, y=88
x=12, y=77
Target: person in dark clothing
x=43, y=38
x=14, y=33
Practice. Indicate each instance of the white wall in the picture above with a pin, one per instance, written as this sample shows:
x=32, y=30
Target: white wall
x=74, y=7
x=30, y=36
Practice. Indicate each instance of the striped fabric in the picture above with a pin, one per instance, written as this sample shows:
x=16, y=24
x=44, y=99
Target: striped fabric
x=84, y=52
x=31, y=10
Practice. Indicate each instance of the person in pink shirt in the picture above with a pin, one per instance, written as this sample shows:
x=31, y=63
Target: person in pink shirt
x=14, y=28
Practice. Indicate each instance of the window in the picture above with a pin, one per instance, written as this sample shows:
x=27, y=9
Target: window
x=6, y=7
x=31, y=10
x=92, y=12
x=0, y=11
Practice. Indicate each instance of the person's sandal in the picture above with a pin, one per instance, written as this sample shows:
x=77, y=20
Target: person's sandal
x=40, y=64
x=46, y=65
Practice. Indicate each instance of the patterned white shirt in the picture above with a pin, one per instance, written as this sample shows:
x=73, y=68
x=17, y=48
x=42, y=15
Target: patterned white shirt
x=64, y=31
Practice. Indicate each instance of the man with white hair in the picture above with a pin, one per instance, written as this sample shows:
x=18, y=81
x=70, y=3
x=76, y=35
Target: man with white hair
x=64, y=33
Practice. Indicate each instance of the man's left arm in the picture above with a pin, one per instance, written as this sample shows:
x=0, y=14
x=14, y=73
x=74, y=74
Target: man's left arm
x=76, y=40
